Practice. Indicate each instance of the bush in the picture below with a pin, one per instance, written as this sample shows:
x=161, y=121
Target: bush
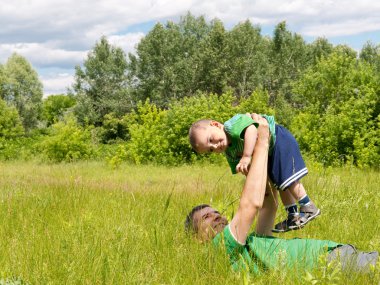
x=55, y=106
x=67, y=142
x=113, y=129
x=20, y=148
x=10, y=123
x=341, y=120
x=161, y=136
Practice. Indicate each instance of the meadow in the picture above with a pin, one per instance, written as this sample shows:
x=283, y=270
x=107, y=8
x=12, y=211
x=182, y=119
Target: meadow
x=86, y=223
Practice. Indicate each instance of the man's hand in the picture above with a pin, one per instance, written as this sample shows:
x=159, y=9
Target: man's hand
x=243, y=165
x=264, y=130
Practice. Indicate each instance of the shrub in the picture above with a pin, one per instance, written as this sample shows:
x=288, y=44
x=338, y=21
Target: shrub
x=341, y=120
x=67, y=142
x=161, y=136
x=10, y=123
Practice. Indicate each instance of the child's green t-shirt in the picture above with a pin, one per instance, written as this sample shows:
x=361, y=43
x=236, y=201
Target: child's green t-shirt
x=235, y=128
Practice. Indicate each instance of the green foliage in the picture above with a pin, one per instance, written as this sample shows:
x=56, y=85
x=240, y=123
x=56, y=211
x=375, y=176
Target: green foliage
x=113, y=128
x=67, y=142
x=146, y=143
x=161, y=136
x=101, y=87
x=10, y=123
x=320, y=49
x=3, y=80
x=340, y=118
x=247, y=54
x=55, y=106
x=371, y=54
x=23, y=90
x=21, y=147
x=289, y=57
x=211, y=60
x=257, y=102
x=167, y=61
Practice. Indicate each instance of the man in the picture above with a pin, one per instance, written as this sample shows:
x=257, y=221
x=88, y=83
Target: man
x=260, y=251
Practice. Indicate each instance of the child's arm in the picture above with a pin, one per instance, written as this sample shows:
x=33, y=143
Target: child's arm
x=250, y=137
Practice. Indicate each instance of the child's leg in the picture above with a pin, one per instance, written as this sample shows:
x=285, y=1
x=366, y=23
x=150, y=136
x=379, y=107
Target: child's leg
x=293, y=220
x=308, y=210
x=289, y=202
x=297, y=190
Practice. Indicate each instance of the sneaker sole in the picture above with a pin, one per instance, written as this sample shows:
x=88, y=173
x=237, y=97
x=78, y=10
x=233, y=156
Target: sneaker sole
x=291, y=228
x=280, y=231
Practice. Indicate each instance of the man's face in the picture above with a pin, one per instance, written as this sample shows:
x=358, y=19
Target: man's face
x=208, y=222
x=211, y=139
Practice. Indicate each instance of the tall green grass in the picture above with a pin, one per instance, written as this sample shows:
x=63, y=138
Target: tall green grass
x=85, y=223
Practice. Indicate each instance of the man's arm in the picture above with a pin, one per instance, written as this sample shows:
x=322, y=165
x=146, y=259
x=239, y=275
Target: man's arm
x=254, y=188
x=267, y=214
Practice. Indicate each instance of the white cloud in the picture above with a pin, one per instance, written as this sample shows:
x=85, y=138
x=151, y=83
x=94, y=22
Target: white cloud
x=42, y=55
x=56, y=83
x=127, y=42
x=344, y=28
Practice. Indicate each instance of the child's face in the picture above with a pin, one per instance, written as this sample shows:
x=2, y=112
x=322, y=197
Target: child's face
x=212, y=139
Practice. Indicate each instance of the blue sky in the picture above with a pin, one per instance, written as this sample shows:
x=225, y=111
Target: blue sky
x=54, y=36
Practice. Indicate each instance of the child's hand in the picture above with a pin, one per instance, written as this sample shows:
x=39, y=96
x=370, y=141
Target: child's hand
x=243, y=165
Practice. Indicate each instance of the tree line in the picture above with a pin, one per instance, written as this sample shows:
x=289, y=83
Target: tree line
x=138, y=107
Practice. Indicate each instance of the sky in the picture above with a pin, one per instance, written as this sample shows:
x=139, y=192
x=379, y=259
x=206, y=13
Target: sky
x=56, y=35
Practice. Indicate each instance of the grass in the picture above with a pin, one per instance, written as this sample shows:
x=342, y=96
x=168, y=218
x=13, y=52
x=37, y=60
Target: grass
x=85, y=223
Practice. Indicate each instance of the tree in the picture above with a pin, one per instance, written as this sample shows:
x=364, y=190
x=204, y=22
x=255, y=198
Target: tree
x=247, y=59
x=340, y=118
x=164, y=67
x=10, y=123
x=371, y=54
x=3, y=81
x=320, y=49
x=54, y=107
x=23, y=90
x=211, y=60
x=101, y=87
x=289, y=59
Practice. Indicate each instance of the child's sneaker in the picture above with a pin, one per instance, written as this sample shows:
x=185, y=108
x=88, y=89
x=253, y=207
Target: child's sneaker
x=298, y=221
x=292, y=222
x=309, y=212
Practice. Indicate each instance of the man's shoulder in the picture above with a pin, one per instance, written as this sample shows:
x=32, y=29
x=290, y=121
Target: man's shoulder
x=228, y=242
x=226, y=236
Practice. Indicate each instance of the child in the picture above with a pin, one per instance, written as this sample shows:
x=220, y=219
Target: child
x=237, y=138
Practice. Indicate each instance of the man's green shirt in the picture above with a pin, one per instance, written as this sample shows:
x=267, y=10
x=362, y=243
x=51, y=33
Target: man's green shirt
x=235, y=128
x=261, y=253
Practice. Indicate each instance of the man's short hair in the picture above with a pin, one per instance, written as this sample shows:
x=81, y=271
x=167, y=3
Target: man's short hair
x=189, y=222
x=201, y=124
